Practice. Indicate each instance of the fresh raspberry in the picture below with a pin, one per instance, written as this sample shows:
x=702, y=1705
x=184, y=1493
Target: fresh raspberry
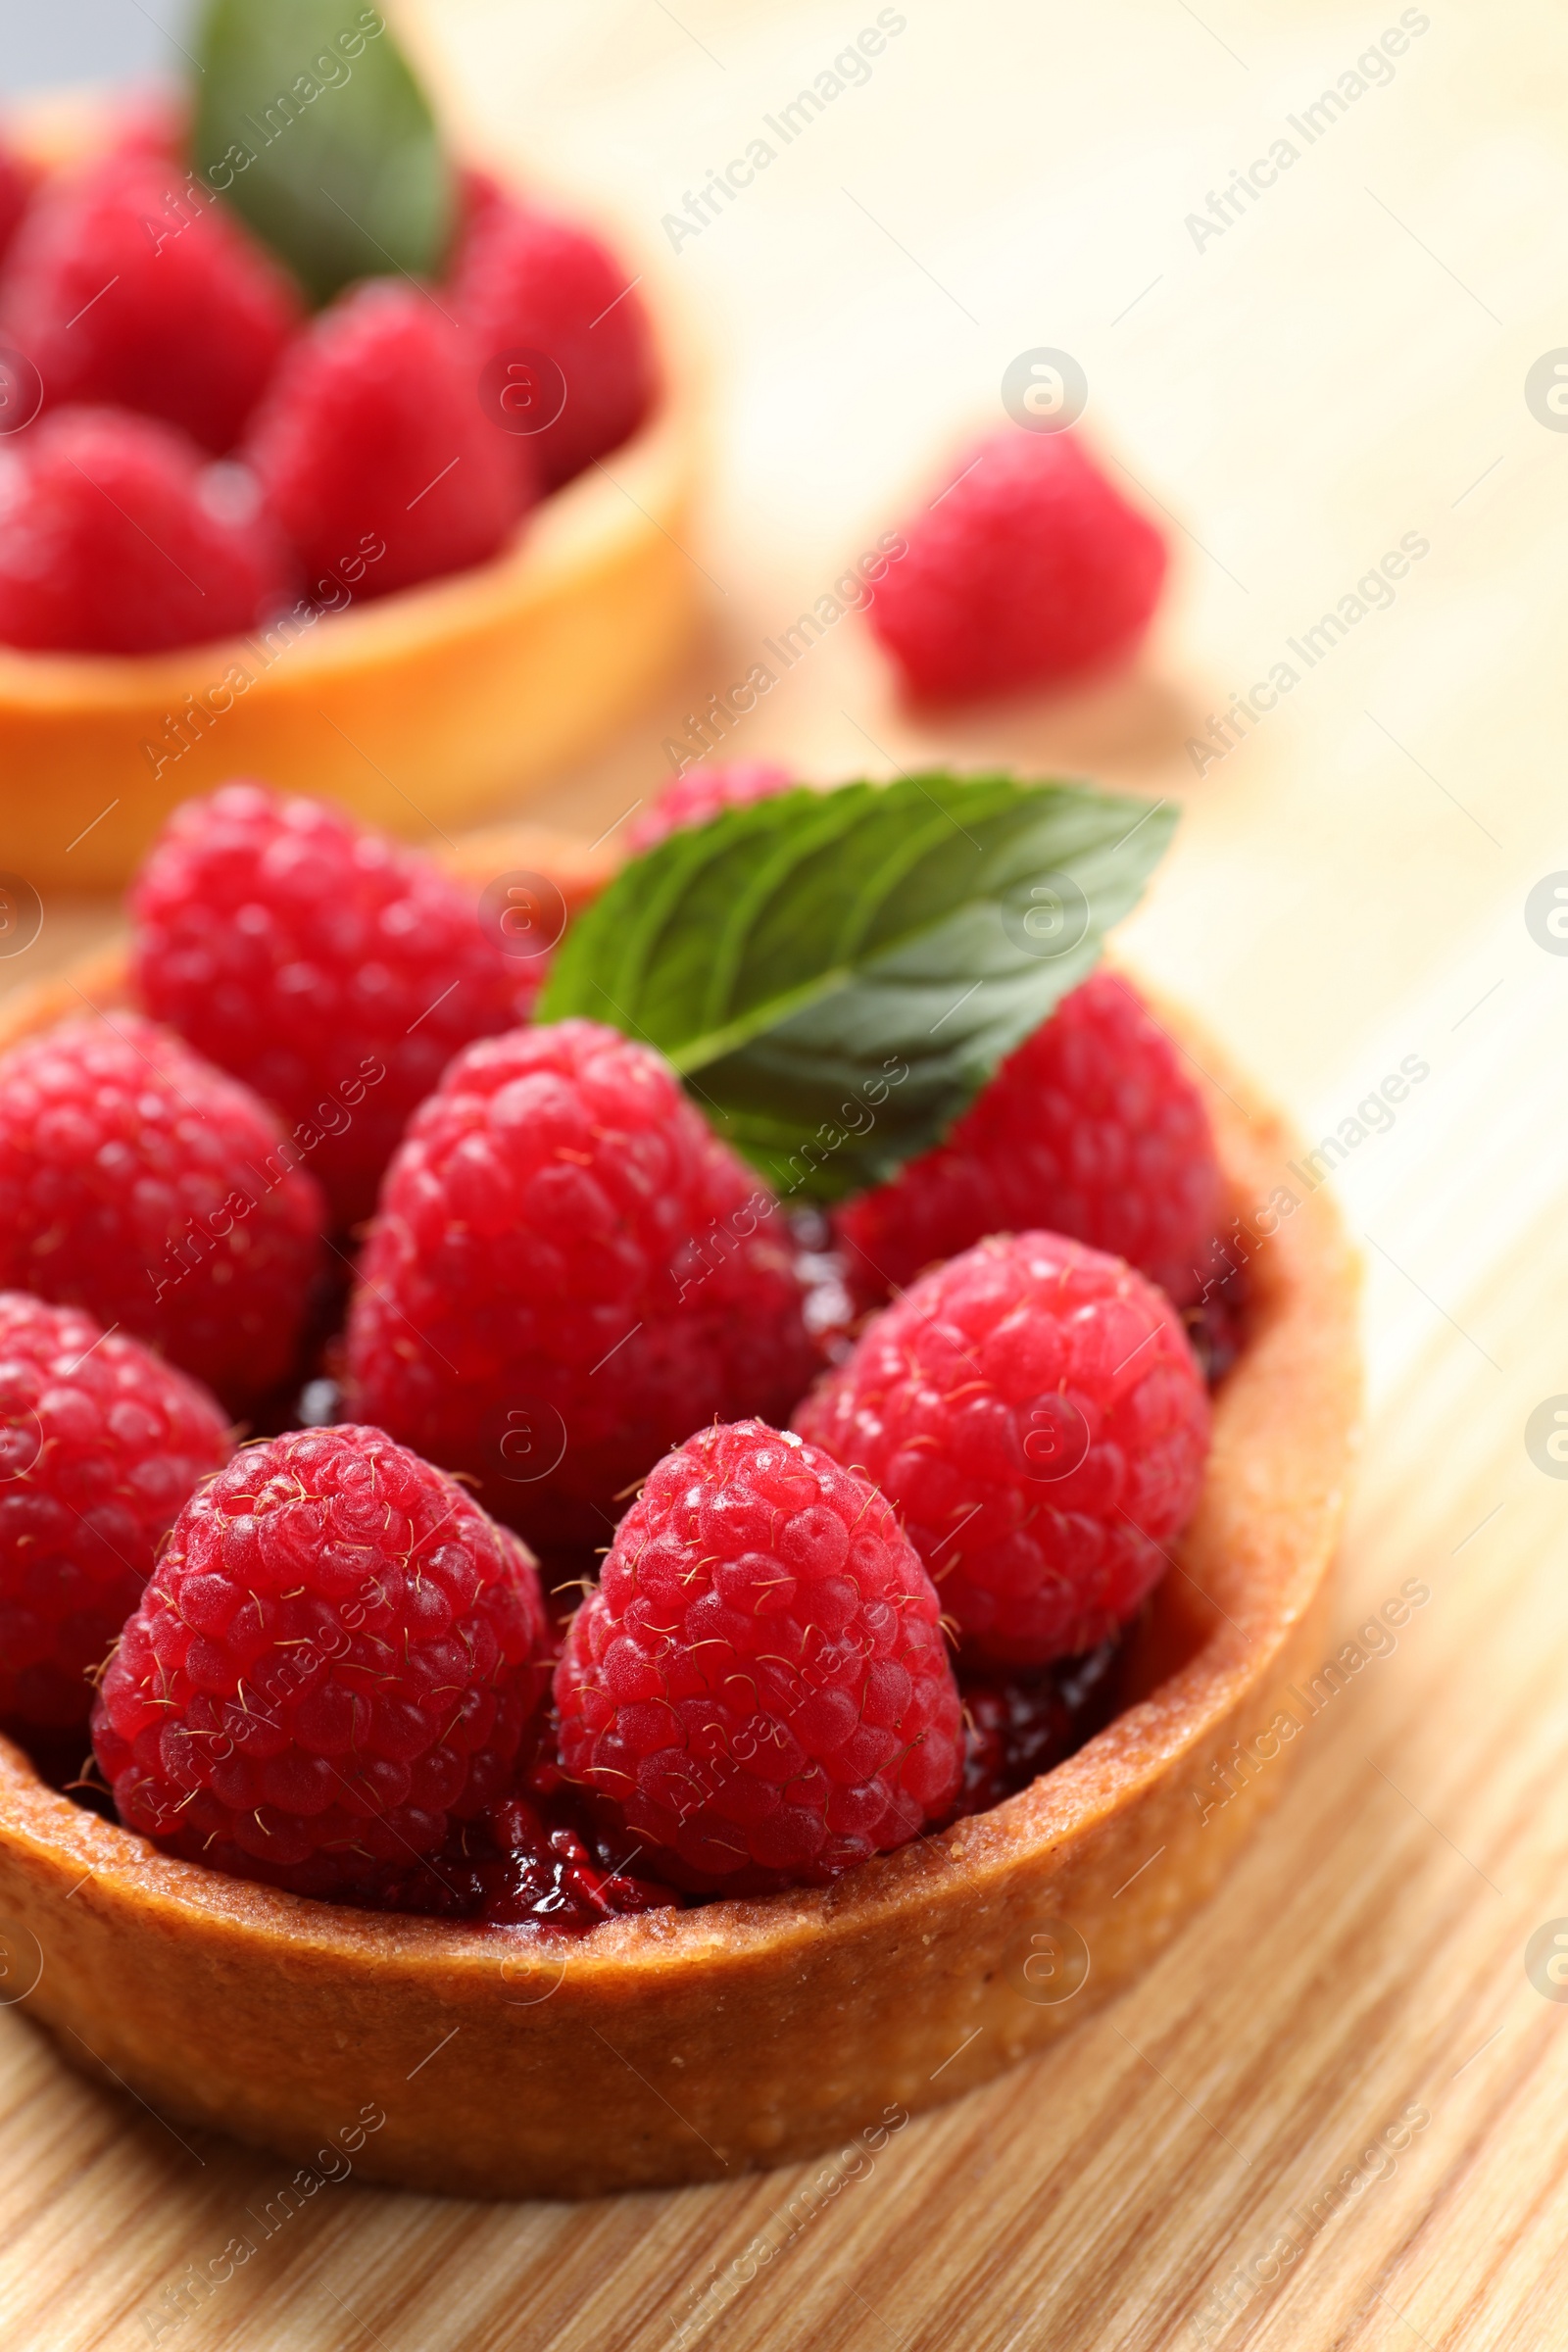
x=526, y=281
x=129, y=284
x=704, y=792
x=139, y=1183
x=116, y=536
x=1034, y=1413
x=374, y=452
x=1014, y=1730
x=334, y=971
x=1030, y=569
x=567, y=1270
x=759, y=1689
x=100, y=1446
x=1091, y=1128
x=335, y=1658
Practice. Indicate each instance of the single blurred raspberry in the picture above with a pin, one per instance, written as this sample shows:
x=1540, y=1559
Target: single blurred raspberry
x=1030, y=569
x=760, y=1688
x=526, y=281
x=1016, y=1729
x=374, y=451
x=1034, y=1413
x=335, y=1658
x=705, y=791
x=139, y=1183
x=101, y=1445
x=568, y=1271
x=129, y=284
x=1091, y=1128
x=116, y=536
x=334, y=971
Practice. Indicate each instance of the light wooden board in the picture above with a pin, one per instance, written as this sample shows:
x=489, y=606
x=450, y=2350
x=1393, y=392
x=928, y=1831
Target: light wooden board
x=1344, y=365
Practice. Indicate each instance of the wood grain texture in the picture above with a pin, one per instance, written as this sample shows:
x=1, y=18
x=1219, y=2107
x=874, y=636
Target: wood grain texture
x=1343, y=365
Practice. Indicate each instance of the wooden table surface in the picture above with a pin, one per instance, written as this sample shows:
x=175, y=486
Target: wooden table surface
x=1340, y=369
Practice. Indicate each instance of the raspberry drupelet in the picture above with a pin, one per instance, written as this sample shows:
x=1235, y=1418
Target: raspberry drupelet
x=143, y=1185
x=759, y=1691
x=1091, y=1128
x=1034, y=1413
x=333, y=970
x=118, y=535
x=335, y=1658
x=101, y=1445
x=567, y=1270
x=374, y=451
x=128, y=283
x=1029, y=570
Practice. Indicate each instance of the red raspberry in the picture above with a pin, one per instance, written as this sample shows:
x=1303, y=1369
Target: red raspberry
x=116, y=536
x=1034, y=1413
x=139, y=1183
x=335, y=1656
x=569, y=1269
x=100, y=1446
x=129, y=284
x=334, y=971
x=1091, y=1128
x=1029, y=570
x=704, y=792
x=526, y=281
x=371, y=438
x=759, y=1689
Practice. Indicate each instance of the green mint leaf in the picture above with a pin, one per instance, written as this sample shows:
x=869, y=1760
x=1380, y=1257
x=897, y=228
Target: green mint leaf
x=309, y=124
x=836, y=975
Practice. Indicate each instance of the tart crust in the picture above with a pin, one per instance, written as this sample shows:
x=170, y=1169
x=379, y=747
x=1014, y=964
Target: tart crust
x=420, y=709
x=693, y=2045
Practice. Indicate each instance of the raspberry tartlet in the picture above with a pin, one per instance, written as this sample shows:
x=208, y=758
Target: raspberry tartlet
x=599, y=2024
x=367, y=574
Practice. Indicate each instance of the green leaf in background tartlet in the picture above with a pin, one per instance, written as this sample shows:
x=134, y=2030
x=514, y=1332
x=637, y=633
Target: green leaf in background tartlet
x=346, y=177
x=836, y=975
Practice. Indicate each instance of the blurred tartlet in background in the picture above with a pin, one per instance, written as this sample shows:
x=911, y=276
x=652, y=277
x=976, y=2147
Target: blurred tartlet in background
x=243, y=387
